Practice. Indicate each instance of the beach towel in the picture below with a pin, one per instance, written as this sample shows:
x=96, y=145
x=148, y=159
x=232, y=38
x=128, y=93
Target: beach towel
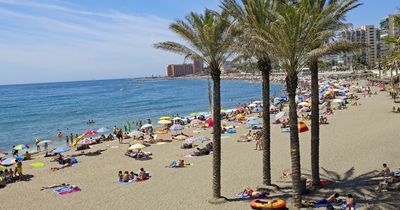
x=129, y=182
x=66, y=190
x=37, y=164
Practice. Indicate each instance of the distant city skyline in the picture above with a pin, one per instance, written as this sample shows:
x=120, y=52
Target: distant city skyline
x=56, y=40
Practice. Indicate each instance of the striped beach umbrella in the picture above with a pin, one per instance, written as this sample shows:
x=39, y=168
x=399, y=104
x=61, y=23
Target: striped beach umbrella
x=8, y=161
x=302, y=127
x=89, y=133
x=165, y=122
x=165, y=118
x=21, y=147
x=85, y=141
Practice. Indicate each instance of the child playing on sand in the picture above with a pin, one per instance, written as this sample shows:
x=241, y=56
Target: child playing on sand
x=18, y=170
x=120, y=176
x=350, y=204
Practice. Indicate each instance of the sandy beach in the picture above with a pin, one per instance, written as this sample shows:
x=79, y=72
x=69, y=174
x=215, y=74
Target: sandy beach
x=353, y=147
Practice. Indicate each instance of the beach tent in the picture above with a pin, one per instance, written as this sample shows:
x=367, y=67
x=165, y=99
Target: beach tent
x=302, y=127
x=209, y=122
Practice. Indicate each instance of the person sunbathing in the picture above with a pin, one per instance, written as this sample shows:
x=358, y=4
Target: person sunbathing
x=350, y=204
x=331, y=199
x=54, y=186
x=142, y=175
x=250, y=193
x=125, y=177
x=65, y=162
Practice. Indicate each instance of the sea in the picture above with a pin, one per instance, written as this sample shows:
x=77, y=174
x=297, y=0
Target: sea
x=30, y=111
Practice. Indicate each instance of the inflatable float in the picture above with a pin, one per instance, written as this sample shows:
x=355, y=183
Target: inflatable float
x=268, y=204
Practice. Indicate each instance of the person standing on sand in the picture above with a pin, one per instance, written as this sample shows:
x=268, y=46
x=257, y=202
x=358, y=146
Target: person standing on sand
x=45, y=146
x=71, y=137
x=67, y=140
x=37, y=141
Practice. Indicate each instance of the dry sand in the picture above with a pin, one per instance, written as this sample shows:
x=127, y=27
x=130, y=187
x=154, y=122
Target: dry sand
x=356, y=142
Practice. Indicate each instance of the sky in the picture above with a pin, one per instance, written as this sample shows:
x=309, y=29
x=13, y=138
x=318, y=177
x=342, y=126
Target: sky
x=71, y=40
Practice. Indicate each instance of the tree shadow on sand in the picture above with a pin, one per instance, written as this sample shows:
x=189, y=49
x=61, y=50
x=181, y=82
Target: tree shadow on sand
x=362, y=187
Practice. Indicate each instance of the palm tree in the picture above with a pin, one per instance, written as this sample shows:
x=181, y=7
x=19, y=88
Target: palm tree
x=287, y=39
x=207, y=37
x=327, y=16
x=252, y=16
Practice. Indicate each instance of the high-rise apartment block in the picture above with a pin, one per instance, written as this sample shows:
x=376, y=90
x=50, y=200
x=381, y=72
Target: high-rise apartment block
x=366, y=35
x=177, y=70
x=388, y=28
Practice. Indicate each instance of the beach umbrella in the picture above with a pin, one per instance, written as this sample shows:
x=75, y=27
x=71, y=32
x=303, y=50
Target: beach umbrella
x=44, y=142
x=85, y=141
x=146, y=126
x=257, y=109
x=165, y=118
x=253, y=122
x=61, y=149
x=164, y=122
x=209, y=122
x=136, y=133
x=102, y=130
x=240, y=116
x=239, y=109
x=302, y=127
x=177, y=118
x=177, y=127
x=21, y=147
x=8, y=161
x=279, y=115
x=137, y=146
x=195, y=122
x=180, y=137
x=89, y=133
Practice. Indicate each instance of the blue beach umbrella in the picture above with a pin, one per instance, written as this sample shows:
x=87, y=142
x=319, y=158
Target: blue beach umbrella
x=257, y=109
x=61, y=149
x=253, y=122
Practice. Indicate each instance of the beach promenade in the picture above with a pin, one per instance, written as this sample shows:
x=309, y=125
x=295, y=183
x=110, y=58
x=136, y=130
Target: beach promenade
x=353, y=147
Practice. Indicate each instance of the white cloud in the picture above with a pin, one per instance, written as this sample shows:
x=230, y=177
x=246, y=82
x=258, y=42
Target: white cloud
x=51, y=42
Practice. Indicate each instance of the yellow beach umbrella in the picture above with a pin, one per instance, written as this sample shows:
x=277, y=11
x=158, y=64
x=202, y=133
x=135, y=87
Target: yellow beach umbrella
x=165, y=118
x=137, y=146
x=164, y=122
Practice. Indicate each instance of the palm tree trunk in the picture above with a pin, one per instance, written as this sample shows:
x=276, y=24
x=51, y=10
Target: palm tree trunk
x=314, y=123
x=264, y=65
x=291, y=85
x=209, y=95
x=216, y=76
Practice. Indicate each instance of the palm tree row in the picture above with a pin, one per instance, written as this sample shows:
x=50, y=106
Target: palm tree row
x=291, y=33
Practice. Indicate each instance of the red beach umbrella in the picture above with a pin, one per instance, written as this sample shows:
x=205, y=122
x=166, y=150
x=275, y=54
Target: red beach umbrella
x=89, y=133
x=209, y=122
x=302, y=127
